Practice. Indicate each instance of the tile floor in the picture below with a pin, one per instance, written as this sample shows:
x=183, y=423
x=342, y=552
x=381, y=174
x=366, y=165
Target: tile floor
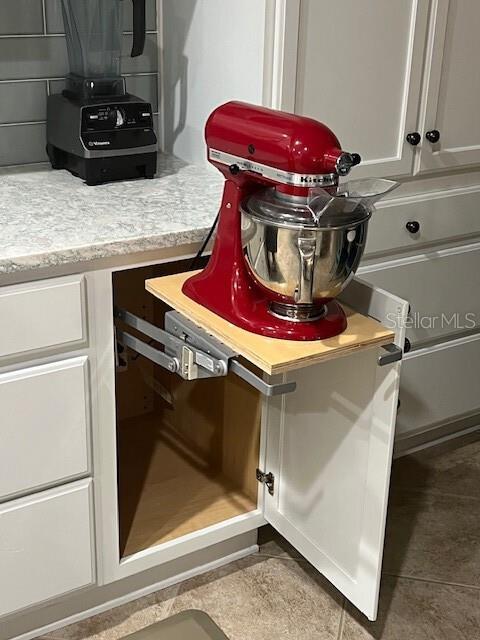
x=430, y=588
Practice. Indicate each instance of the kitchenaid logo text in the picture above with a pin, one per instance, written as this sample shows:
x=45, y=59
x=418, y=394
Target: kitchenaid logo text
x=458, y=321
x=310, y=179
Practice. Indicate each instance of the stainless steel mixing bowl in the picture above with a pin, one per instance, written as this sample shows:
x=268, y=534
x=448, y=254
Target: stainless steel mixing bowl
x=303, y=259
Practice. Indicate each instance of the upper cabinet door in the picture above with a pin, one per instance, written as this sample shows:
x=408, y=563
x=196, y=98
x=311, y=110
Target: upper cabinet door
x=329, y=448
x=359, y=70
x=452, y=87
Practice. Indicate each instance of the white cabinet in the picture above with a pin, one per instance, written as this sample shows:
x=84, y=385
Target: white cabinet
x=46, y=534
x=441, y=286
x=452, y=87
x=376, y=71
x=439, y=385
x=45, y=425
x=328, y=444
x=358, y=69
x=46, y=546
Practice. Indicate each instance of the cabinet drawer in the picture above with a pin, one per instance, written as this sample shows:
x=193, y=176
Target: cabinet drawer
x=44, y=431
x=439, y=385
x=440, y=217
x=46, y=546
x=42, y=315
x=442, y=289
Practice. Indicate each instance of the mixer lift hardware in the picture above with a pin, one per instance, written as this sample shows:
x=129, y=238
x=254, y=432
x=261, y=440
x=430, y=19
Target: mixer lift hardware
x=193, y=354
x=190, y=351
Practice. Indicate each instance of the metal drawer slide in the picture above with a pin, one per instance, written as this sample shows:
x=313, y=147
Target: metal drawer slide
x=190, y=351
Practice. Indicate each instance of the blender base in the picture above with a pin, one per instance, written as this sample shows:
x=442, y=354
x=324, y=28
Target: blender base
x=97, y=171
x=102, y=139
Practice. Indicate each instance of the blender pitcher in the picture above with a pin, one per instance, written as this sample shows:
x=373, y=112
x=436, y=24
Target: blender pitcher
x=93, y=31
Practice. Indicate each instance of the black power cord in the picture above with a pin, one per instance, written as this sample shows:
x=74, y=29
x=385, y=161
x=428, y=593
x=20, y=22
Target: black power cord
x=194, y=263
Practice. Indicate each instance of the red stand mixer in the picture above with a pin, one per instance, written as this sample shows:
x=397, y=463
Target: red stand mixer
x=289, y=238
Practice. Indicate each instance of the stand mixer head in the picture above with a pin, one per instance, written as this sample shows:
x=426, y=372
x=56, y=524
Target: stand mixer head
x=289, y=238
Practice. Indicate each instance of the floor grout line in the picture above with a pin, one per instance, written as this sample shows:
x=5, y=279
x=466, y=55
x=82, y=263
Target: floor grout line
x=171, y=601
x=433, y=581
x=289, y=558
x=341, y=625
x=433, y=492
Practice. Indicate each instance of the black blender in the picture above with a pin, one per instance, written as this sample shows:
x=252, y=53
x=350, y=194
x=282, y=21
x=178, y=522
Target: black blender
x=95, y=129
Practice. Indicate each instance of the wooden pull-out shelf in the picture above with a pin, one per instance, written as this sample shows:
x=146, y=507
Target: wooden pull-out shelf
x=269, y=354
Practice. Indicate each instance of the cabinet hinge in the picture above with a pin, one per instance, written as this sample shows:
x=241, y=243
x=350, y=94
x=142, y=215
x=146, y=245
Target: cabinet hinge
x=267, y=479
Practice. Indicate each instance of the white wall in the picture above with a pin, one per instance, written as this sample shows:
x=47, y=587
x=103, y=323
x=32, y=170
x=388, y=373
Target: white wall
x=213, y=51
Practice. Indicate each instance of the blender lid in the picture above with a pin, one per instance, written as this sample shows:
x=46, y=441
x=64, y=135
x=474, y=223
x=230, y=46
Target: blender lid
x=345, y=205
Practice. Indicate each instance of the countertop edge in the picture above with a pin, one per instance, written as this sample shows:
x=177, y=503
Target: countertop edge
x=104, y=255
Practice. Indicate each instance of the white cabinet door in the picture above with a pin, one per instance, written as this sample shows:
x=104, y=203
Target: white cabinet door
x=329, y=447
x=359, y=71
x=452, y=86
x=46, y=546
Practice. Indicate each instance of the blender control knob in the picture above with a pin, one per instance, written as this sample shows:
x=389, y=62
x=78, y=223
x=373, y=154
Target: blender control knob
x=413, y=138
x=433, y=136
x=117, y=117
x=234, y=169
x=407, y=345
x=413, y=226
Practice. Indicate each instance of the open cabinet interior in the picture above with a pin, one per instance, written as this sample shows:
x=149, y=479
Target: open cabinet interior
x=187, y=450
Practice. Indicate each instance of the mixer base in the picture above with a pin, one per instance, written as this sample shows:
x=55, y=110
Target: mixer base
x=297, y=313
x=251, y=311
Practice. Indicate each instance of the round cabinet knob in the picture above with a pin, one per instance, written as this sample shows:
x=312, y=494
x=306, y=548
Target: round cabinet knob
x=407, y=345
x=413, y=138
x=433, y=136
x=413, y=226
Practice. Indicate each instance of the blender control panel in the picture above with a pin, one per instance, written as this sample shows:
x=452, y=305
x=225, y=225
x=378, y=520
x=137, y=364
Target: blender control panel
x=116, y=116
x=117, y=126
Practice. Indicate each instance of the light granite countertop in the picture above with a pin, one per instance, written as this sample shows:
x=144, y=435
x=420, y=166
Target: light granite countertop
x=50, y=218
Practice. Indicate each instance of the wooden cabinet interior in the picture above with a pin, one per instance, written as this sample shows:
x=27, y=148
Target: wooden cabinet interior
x=187, y=451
